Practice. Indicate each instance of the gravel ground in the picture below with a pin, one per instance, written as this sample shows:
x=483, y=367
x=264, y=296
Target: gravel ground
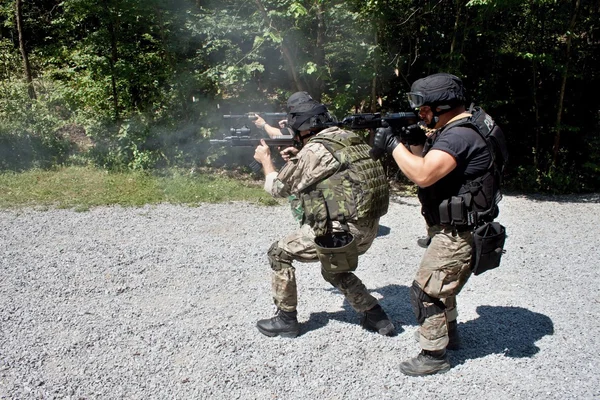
x=160, y=302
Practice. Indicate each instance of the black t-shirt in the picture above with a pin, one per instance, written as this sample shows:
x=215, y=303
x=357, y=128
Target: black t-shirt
x=472, y=157
x=468, y=149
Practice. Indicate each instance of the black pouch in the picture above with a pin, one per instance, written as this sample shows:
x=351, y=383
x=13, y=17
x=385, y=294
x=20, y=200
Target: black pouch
x=445, y=216
x=458, y=210
x=488, y=245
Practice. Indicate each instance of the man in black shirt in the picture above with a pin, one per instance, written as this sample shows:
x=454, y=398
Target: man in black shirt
x=441, y=164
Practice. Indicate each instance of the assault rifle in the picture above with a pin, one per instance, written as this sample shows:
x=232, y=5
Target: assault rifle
x=240, y=138
x=403, y=124
x=268, y=116
x=375, y=120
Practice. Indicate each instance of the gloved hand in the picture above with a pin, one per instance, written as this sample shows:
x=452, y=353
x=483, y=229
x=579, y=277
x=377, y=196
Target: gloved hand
x=385, y=140
x=413, y=135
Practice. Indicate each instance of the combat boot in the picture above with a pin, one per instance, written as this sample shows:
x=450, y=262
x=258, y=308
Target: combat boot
x=376, y=320
x=426, y=363
x=453, y=337
x=284, y=324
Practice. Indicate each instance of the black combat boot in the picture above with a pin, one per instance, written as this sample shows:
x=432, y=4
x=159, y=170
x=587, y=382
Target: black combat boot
x=284, y=324
x=424, y=241
x=453, y=338
x=426, y=363
x=376, y=320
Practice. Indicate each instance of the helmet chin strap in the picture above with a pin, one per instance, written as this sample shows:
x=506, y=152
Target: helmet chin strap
x=436, y=115
x=433, y=122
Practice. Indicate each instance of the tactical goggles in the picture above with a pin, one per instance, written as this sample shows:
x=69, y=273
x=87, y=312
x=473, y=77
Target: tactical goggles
x=415, y=99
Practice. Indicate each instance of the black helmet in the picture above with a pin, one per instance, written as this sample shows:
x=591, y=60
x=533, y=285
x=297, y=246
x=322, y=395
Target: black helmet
x=297, y=99
x=438, y=90
x=309, y=115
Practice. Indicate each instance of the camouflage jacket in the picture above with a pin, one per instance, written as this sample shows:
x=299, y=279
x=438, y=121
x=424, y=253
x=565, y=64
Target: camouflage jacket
x=312, y=164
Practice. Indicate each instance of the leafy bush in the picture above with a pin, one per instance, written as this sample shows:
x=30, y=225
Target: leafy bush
x=29, y=129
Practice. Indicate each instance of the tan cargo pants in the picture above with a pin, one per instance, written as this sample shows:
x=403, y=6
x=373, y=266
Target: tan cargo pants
x=444, y=270
x=300, y=246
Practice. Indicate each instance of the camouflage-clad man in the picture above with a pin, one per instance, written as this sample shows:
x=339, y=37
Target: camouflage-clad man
x=338, y=194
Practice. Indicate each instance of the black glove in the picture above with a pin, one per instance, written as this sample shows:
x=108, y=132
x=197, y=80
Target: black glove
x=385, y=141
x=413, y=135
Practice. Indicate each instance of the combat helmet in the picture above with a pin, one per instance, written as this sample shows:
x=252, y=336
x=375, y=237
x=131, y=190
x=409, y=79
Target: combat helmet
x=309, y=116
x=298, y=98
x=442, y=91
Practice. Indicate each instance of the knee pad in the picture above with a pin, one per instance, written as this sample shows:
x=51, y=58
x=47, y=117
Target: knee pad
x=422, y=312
x=278, y=258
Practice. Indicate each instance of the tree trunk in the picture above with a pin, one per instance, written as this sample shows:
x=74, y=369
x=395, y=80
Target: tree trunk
x=561, y=98
x=536, y=150
x=456, y=23
x=285, y=51
x=320, y=51
x=24, y=55
x=375, y=71
x=114, y=57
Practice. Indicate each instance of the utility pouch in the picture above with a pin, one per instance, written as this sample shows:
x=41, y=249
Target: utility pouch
x=338, y=252
x=315, y=210
x=488, y=246
x=445, y=216
x=458, y=210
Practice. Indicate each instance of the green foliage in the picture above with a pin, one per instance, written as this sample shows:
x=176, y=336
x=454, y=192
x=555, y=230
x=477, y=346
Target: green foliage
x=29, y=131
x=132, y=85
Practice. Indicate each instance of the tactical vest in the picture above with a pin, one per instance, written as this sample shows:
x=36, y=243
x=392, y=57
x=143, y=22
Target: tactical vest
x=477, y=199
x=358, y=189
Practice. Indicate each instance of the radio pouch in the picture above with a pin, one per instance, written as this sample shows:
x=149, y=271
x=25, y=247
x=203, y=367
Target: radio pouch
x=488, y=247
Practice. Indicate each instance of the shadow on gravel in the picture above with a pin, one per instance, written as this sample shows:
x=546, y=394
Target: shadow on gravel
x=511, y=331
x=394, y=301
x=383, y=230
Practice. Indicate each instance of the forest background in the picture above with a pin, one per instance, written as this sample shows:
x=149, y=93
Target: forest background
x=143, y=85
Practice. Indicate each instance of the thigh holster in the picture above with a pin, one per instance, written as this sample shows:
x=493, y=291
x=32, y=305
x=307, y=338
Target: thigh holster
x=417, y=299
x=278, y=258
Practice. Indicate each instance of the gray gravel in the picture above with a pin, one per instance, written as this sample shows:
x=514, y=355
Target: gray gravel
x=160, y=302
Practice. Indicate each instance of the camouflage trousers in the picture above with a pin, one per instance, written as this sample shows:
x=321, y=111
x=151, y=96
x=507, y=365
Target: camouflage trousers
x=444, y=270
x=300, y=246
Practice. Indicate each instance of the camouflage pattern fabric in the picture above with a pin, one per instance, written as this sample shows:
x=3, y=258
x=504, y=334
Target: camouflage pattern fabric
x=300, y=246
x=312, y=164
x=333, y=178
x=360, y=188
x=444, y=270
